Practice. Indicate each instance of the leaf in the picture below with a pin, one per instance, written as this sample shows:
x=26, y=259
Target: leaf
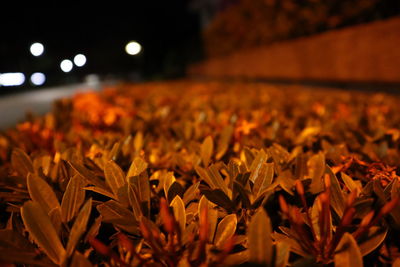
x=295, y=247
x=348, y=253
x=286, y=181
x=218, y=197
x=300, y=159
x=138, y=166
x=89, y=176
x=94, y=229
x=337, y=198
x=42, y=231
x=142, y=184
x=138, y=141
x=73, y=198
x=256, y=165
x=236, y=259
x=42, y=193
x=213, y=178
x=190, y=231
x=179, y=212
x=43, y=162
x=134, y=201
x=204, y=176
x=243, y=195
x=307, y=261
x=100, y=191
x=372, y=240
x=21, y=162
x=169, y=179
x=175, y=190
x=279, y=155
x=113, y=212
x=55, y=218
x=259, y=238
x=315, y=214
x=79, y=227
x=115, y=177
x=316, y=169
x=396, y=263
x=12, y=239
x=114, y=152
x=395, y=214
x=122, y=195
x=190, y=193
x=232, y=169
x=223, y=142
x=212, y=216
x=78, y=260
x=307, y=133
x=30, y=258
x=264, y=178
x=282, y=254
x=218, y=181
x=247, y=157
x=226, y=229
x=207, y=148
x=350, y=183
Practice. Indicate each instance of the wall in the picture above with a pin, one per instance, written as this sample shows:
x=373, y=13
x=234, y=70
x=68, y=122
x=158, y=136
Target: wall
x=365, y=53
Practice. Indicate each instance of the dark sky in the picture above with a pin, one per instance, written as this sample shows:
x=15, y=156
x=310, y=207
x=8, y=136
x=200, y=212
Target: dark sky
x=168, y=31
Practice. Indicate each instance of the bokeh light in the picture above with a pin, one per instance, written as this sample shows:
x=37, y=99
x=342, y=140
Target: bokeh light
x=37, y=49
x=12, y=79
x=38, y=78
x=80, y=60
x=66, y=65
x=133, y=48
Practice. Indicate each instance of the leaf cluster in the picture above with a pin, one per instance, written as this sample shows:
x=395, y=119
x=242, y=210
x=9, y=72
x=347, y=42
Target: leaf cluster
x=203, y=174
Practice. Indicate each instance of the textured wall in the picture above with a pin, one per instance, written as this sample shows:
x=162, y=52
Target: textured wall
x=365, y=53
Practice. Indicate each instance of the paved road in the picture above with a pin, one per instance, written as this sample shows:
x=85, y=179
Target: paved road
x=14, y=107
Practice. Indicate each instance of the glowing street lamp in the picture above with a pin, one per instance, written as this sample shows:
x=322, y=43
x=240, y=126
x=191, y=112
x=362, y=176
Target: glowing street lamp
x=38, y=78
x=36, y=49
x=133, y=48
x=80, y=60
x=66, y=65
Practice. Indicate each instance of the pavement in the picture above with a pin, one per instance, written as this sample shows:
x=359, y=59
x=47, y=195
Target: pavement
x=14, y=107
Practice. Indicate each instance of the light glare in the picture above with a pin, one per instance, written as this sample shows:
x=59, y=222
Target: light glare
x=37, y=49
x=133, y=48
x=38, y=78
x=80, y=60
x=12, y=79
x=66, y=65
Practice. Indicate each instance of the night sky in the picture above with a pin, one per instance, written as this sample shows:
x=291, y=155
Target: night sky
x=169, y=32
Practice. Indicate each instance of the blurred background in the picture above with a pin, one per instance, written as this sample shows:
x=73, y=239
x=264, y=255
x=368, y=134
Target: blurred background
x=61, y=43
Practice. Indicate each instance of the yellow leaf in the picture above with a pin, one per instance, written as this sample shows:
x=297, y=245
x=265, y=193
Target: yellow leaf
x=79, y=227
x=259, y=238
x=42, y=193
x=42, y=231
x=137, y=167
x=21, y=162
x=114, y=176
x=226, y=229
x=178, y=208
x=348, y=253
x=73, y=198
x=207, y=148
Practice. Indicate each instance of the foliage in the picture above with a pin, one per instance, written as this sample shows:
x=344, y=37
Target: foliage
x=203, y=174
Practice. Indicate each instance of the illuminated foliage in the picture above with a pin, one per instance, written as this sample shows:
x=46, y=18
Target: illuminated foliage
x=203, y=174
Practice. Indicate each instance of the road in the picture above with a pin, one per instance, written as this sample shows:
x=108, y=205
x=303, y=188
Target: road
x=13, y=107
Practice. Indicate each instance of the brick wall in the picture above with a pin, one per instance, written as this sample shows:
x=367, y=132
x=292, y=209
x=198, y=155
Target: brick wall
x=365, y=53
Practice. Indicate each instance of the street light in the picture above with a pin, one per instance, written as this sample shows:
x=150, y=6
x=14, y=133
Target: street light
x=133, y=48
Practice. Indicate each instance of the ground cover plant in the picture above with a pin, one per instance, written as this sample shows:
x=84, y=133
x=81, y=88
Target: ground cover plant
x=204, y=174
